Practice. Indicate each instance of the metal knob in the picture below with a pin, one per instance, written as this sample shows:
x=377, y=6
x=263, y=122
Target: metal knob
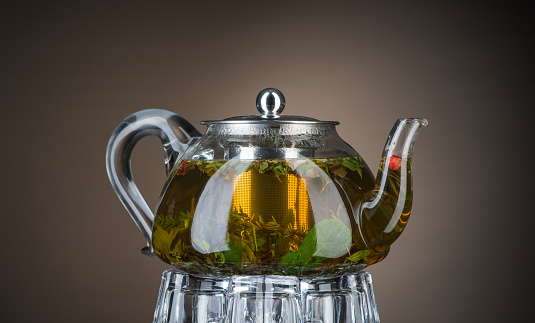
x=270, y=103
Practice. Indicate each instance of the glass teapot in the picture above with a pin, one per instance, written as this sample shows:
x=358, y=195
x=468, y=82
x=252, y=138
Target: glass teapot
x=266, y=194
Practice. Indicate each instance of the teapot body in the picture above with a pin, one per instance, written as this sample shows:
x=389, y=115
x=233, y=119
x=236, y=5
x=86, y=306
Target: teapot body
x=267, y=194
x=276, y=199
x=263, y=216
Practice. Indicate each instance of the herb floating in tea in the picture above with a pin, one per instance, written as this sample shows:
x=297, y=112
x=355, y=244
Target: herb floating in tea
x=271, y=216
x=327, y=239
x=358, y=256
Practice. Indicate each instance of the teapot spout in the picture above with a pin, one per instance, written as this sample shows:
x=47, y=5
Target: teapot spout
x=385, y=209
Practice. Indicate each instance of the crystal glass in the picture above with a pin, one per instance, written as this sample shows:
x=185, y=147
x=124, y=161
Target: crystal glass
x=268, y=299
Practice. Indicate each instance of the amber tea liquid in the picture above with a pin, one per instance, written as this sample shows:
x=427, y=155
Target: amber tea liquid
x=241, y=216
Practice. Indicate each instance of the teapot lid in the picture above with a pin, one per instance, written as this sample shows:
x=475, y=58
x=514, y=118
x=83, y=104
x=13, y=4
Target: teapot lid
x=270, y=102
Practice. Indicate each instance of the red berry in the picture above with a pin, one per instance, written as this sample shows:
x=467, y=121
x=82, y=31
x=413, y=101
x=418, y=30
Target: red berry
x=394, y=163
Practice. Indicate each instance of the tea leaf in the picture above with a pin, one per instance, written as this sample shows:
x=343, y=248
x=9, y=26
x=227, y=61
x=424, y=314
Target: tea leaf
x=220, y=255
x=248, y=251
x=260, y=242
x=353, y=164
x=340, y=171
x=326, y=239
x=176, y=246
x=209, y=261
x=358, y=256
x=349, y=164
x=263, y=166
x=162, y=239
x=333, y=237
x=234, y=254
x=315, y=263
x=290, y=258
x=280, y=170
x=304, y=253
x=252, y=239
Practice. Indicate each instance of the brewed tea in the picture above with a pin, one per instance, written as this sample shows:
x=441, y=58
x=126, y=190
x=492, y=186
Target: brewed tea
x=279, y=216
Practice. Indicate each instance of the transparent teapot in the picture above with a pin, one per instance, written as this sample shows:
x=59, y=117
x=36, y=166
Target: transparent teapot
x=266, y=194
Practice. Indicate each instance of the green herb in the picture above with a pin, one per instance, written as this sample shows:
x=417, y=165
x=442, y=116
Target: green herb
x=307, y=168
x=327, y=239
x=353, y=164
x=253, y=239
x=340, y=171
x=315, y=263
x=281, y=170
x=333, y=237
x=263, y=166
x=233, y=255
x=358, y=256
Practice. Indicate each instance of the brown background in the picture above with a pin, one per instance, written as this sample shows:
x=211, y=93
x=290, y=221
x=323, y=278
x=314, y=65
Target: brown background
x=71, y=71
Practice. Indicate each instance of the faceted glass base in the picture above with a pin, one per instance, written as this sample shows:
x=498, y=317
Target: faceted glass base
x=186, y=298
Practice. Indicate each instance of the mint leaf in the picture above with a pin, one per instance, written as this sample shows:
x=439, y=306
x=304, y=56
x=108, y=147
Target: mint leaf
x=315, y=263
x=263, y=166
x=359, y=170
x=280, y=170
x=349, y=164
x=290, y=258
x=327, y=239
x=340, y=171
x=309, y=245
x=359, y=255
x=353, y=164
x=234, y=254
x=305, y=251
x=333, y=237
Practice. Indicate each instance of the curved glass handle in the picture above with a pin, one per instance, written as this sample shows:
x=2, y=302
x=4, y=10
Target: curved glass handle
x=176, y=135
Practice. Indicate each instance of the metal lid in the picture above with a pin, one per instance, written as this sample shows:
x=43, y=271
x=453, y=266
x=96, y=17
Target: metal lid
x=270, y=102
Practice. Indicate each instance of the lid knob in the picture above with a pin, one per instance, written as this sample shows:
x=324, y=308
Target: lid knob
x=270, y=103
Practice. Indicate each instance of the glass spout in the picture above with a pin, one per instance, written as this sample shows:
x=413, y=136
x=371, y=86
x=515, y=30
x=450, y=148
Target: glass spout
x=386, y=209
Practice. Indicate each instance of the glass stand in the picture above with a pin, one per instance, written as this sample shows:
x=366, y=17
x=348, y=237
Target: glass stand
x=186, y=298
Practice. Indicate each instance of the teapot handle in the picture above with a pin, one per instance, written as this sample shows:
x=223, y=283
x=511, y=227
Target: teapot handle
x=176, y=135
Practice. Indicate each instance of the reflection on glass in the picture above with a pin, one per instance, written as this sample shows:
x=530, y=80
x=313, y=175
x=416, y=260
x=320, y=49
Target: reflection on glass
x=277, y=215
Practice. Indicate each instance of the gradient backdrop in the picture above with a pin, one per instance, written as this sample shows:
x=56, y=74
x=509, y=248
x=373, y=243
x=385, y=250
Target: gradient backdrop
x=70, y=71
